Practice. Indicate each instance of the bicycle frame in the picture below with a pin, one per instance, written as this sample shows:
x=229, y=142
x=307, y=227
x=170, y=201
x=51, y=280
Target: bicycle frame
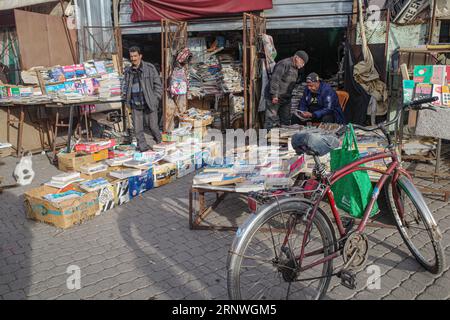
x=394, y=169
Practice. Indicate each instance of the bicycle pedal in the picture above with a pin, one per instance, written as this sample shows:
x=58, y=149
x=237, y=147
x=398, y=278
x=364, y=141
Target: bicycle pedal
x=348, y=279
x=348, y=223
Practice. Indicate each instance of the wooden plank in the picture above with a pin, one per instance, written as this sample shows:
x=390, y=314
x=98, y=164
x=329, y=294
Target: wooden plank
x=42, y=40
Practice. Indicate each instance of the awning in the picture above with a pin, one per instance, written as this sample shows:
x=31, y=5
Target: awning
x=13, y=4
x=155, y=10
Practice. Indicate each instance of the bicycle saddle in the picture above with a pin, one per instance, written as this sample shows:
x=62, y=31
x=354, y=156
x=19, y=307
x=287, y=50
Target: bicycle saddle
x=313, y=143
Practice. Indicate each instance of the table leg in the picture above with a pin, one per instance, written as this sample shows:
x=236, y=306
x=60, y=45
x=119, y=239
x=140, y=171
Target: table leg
x=55, y=134
x=69, y=134
x=8, y=124
x=438, y=161
x=20, y=135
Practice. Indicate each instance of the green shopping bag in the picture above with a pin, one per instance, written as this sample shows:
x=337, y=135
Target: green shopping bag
x=352, y=192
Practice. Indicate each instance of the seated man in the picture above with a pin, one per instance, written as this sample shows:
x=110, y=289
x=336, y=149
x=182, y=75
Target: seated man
x=319, y=102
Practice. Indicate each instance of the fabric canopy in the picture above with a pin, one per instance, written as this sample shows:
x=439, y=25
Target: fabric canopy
x=155, y=10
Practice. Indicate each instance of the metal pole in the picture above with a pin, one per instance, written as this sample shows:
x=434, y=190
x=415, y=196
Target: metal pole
x=433, y=21
x=244, y=68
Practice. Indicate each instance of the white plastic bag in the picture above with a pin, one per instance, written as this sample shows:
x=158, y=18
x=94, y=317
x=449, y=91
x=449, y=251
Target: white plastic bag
x=23, y=173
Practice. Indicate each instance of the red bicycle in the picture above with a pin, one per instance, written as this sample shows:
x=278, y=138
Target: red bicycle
x=286, y=249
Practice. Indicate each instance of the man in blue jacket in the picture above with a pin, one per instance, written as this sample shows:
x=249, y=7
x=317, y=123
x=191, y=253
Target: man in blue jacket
x=320, y=102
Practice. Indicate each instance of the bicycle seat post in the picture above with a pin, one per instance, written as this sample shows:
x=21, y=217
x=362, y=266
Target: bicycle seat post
x=319, y=167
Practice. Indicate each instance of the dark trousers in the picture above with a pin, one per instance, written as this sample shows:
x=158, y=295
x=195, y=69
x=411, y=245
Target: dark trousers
x=328, y=118
x=277, y=114
x=145, y=121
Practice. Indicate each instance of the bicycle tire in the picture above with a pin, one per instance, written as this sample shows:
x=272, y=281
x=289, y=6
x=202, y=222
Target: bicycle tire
x=408, y=192
x=250, y=229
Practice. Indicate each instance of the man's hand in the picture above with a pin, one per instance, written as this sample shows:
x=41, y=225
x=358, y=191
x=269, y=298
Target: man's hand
x=275, y=100
x=306, y=114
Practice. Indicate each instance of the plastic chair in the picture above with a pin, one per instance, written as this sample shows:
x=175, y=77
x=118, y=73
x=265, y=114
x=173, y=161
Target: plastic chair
x=343, y=97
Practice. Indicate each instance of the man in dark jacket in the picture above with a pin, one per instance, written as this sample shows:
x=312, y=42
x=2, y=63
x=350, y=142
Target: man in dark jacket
x=320, y=102
x=142, y=90
x=279, y=93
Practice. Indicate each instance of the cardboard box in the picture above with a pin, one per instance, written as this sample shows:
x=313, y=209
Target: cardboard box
x=140, y=184
x=121, y=191
x=4, y=152
x=164, y=173
x=185, y=166
x=106, y=199
x=63, y=214
x=73, y=161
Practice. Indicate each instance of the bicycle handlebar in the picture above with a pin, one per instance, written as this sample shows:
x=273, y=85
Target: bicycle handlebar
x=416, y=104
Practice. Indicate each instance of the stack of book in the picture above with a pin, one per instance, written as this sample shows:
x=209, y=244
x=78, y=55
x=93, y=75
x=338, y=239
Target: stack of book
x=125, y=173
x=93, y=168
x=114, y=162
x=63, y=180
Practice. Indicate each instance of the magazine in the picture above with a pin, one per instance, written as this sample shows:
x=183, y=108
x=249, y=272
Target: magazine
x=59, y=197
x=93, y=185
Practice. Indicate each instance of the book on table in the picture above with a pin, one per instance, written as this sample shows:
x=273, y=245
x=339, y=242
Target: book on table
x=203, y=178
x=228, y=180
x=61, y=185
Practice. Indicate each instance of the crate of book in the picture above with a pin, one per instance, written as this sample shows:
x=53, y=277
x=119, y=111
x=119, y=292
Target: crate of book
x=164, y=173
x=62, y=209
x=73, y=161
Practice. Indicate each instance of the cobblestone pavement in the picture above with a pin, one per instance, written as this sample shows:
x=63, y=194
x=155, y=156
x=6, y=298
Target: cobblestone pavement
x=145, y=250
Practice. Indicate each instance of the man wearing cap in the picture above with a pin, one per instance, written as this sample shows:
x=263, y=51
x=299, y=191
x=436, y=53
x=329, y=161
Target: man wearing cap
x=320, y=102
x=279, y=90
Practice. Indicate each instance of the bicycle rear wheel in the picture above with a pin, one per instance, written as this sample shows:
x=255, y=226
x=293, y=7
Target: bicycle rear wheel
x=262, y=262
x=417, y=227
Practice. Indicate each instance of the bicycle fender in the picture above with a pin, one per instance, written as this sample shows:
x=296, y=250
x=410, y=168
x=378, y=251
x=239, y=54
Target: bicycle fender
x=416, y=196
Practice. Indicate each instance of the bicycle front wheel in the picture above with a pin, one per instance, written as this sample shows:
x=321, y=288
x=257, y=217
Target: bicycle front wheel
x=416, y=224
x=263, y=262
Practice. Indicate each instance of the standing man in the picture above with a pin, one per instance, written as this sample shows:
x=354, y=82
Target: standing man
x=279, y=93
x=320, y=102
x=142, y=91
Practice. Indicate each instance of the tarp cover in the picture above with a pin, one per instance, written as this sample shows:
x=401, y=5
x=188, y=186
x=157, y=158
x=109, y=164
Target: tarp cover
x=155, y=10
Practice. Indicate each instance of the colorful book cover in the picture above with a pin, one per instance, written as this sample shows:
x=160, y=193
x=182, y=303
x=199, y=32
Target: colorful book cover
x=109, y=66
x=69, y=86
x=79, y=87
x=446, y=96
x=69, y=71
x=100, y=67
x=447, y=75
x=79, y=70
x=439, y=75
x=89, y=68
x=437, y=92
x=408, y=90
x=54, y=88
x=57, y=75
x=423, y=74
x=423, y=90
x=3, y=92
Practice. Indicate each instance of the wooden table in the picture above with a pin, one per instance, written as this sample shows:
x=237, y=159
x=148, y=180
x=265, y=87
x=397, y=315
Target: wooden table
x=196, y=218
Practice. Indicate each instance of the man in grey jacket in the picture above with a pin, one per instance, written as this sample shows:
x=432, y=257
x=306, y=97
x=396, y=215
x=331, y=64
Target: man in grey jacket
x=142, y=90
x=279, y=91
